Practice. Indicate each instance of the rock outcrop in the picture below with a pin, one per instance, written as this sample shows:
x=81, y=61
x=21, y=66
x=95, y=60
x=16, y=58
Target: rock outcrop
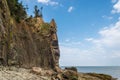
x=30, y=43
x=95, y=76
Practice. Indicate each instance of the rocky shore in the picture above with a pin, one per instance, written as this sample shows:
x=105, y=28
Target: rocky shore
x=14, y=73
x=94, y=76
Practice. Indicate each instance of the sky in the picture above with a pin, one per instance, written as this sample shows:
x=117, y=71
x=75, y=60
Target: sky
x=88, y=30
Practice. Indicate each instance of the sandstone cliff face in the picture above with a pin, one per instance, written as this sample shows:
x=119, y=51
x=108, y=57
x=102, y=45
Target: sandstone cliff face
x=32, y=42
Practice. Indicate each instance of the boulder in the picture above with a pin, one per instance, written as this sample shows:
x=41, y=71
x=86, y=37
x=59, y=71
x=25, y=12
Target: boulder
x=70, y=75
x=36, y=70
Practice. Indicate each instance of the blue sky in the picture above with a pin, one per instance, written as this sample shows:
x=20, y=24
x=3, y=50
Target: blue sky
x=88, y=30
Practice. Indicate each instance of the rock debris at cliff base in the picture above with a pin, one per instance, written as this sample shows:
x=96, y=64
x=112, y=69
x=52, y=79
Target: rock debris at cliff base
x=14, y=73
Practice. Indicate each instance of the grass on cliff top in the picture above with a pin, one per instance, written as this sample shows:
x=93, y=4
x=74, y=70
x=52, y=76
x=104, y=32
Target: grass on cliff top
x=45, y=29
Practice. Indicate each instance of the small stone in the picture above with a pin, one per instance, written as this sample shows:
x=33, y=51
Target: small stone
x=36, y=70
x=49, y=73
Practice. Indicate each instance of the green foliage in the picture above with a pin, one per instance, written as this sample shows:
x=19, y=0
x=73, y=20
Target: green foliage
x=16, y=9
x=101, y=76
x=45, y=29
x=38, y=12
x=74, y=78
x=71, y=68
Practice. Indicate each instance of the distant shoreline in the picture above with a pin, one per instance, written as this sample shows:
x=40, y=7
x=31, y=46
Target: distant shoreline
x=107, y=70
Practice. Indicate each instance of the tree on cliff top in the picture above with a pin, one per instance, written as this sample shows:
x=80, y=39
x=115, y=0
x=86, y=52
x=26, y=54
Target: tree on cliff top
x=38, y=12
x=17, y=10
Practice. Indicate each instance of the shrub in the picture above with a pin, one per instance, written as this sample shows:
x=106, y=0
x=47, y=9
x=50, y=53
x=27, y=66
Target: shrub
x=71, y=68
x=17, y=10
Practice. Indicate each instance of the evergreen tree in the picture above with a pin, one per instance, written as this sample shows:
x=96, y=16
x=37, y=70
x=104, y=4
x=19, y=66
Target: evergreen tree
x=41, y=12
x=37, y=12
x=17, y=10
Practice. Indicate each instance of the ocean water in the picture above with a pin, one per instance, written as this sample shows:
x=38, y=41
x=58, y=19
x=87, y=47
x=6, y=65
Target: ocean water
x=114, y=71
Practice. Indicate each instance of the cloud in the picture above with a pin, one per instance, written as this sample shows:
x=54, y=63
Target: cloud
x=70, y=9
x=94, y=56
x=107, y=17
x=67, y=40
x=108, y=41
x=116, y=7
x=70, y=43
x=48, y=2
x=109, y=36
x=89, y=39
x=74, y=56
x=113, y=1
x=103, y=51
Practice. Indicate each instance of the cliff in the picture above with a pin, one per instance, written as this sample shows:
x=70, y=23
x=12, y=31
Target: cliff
x=29, y=43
